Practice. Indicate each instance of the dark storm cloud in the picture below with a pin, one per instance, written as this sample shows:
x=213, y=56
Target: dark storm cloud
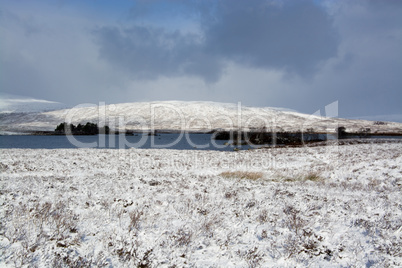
x=369, y=78
x=148, y=52
x=293, y=36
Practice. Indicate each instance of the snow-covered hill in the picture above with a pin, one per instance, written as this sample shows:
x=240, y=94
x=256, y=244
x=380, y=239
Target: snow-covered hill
x=22, y=104
x=192, y=116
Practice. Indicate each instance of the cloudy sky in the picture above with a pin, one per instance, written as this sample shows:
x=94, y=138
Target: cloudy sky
x=301, y=55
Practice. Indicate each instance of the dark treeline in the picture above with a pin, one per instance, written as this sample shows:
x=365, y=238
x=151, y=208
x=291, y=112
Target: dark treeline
x=256, y=138
x=87, y=129
x=362, y=133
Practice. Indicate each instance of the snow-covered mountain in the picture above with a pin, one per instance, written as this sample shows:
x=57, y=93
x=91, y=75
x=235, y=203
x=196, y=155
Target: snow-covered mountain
x=192, y=116
x=21, y=104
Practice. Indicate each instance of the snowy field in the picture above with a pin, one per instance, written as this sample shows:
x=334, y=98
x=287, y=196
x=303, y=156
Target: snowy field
x=327, y=206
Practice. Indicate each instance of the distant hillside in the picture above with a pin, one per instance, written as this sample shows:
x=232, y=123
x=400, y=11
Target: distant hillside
x=21, y=104
x=191, y=116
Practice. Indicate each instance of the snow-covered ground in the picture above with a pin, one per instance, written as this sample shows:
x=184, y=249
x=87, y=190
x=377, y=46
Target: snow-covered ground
x=192, y=116
x=325, y=206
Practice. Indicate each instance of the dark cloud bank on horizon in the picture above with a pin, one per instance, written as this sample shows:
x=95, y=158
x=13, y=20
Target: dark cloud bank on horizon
x=295, y=54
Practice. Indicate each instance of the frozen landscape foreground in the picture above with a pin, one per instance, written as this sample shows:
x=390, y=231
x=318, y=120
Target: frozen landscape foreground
x=328, y=206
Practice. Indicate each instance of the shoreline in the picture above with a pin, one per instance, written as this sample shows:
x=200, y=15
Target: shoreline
x=173, y=131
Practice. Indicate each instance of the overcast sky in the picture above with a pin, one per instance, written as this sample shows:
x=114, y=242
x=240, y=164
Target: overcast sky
x=301, y=55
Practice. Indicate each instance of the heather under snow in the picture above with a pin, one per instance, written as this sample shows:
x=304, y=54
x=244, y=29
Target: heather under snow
x=327, y=206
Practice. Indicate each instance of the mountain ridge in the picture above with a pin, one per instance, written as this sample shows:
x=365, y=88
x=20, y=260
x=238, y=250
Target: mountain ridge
x=197, y=116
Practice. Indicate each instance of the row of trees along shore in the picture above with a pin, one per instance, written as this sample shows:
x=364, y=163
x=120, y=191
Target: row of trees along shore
x=87, y=129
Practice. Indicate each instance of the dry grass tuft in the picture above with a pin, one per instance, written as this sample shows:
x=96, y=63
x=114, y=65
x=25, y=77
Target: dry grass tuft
x=242, y=175
x=312, y=176
x=302, y=177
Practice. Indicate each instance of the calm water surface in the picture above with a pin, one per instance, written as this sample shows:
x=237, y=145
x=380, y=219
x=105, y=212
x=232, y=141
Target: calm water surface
x=161, y=141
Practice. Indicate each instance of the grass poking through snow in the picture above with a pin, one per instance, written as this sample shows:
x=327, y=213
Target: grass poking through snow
x=248, y=175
